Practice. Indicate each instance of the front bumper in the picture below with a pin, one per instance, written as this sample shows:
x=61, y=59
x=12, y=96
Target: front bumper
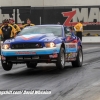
x=30, y=52
x=25, y=59
x=30, y=55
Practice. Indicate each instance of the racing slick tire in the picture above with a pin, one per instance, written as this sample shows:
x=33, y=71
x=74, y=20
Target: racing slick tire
x=31, y=65
x=79, y=59
x=6, y=66
x=60, y=64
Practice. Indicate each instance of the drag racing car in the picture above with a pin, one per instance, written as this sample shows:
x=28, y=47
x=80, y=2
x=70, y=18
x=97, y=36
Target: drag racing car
x=42, y=43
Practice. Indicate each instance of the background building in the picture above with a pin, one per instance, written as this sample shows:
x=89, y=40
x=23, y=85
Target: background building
x=67, y=12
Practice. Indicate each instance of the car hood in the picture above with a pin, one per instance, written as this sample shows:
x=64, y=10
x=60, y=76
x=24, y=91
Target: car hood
x=49, y=37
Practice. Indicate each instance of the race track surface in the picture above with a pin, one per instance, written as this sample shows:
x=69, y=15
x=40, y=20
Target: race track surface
x=70, y=84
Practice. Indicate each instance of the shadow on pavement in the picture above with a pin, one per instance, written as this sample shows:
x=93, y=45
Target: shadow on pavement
x=39, y=71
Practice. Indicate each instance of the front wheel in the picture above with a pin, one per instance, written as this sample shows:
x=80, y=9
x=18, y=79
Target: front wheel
x=6, y=65
x=31, y=65
x=79, y=59
x=61, y=59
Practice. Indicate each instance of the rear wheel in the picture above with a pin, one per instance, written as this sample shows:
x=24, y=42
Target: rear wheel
x=79, y=59
x=31, y=65
x=6, y=65
x=61, y=59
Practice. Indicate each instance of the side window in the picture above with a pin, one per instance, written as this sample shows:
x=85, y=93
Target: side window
x=67, y=31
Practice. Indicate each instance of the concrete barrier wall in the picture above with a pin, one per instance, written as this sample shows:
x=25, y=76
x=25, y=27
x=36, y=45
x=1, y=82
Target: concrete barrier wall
x=91, y=40
x=42, y=3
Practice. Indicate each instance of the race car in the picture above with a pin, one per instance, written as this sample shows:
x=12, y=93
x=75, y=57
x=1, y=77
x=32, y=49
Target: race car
x=42, y=43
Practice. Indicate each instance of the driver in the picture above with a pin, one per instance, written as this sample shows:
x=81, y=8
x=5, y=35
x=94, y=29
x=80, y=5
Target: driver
x=28, y=23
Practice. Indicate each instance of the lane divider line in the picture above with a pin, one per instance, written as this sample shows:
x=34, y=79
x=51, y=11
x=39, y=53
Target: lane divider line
x=91, y=48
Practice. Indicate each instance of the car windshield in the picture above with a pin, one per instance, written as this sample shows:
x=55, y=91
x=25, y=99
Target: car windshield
x=56, y=30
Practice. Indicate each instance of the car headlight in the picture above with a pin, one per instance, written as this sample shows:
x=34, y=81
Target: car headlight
x=5, y=46
x=50, y=45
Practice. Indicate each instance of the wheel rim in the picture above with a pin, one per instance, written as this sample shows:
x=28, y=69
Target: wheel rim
x=62, y=59
x=80, y=57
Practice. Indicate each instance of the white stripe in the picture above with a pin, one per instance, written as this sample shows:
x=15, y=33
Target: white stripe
x=29, y=36
x=91, y=48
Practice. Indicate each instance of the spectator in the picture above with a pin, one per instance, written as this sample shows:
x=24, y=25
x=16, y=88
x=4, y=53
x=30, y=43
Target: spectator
x=7, y=31
x=28, y=23
x=11, y=21
x=79, y=29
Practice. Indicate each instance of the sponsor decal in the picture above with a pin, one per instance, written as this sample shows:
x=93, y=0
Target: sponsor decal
x=71, y=47
x=25, y=58
x=89, y=16
x=71, y=55
x=25, y=52
x=19, y=58
x=71, y=59
x=70, y=15
x=53, y=56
